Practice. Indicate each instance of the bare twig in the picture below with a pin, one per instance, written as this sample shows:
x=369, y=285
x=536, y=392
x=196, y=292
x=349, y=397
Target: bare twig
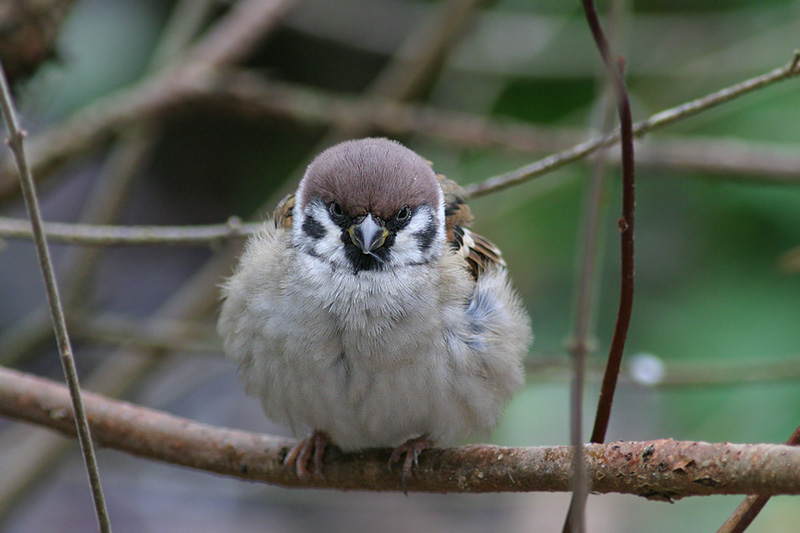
x=581, y=343
x=625, y=225
x=730, y=160
x=110, y=189
x=15, y=136
x=747, y=511
x=658, y=120
x=234, y=36
x=662, y=470
x=104, y=235
x=412, y=64
x=575, y=517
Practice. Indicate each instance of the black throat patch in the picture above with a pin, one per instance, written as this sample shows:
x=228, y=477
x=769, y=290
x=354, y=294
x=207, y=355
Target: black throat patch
x=376, y=260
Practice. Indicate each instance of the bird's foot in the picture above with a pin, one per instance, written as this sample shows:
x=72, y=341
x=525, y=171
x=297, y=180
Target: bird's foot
x=306, y=450
x=411, y=449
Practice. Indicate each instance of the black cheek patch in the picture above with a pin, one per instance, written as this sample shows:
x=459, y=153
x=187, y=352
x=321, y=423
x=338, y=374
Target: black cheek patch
x=425, y=237
x=313, y=229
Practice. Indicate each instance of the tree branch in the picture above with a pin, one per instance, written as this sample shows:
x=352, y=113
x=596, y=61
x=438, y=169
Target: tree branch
x=747, y=511
x=107, y=235
x=658, y=120
x=661, y=470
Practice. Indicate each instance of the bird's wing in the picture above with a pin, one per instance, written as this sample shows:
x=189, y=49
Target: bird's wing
x=282, y=216
x=476, y=251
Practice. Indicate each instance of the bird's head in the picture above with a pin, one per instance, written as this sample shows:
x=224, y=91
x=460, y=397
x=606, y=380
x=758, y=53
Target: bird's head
x=369, y=204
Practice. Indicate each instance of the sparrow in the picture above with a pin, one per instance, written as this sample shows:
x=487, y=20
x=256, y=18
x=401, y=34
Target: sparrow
x=365, y=314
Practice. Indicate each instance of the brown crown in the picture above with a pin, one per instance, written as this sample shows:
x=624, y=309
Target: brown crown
x=372, y=175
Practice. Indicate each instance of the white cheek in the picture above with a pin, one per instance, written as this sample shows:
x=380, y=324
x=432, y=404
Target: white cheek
x=330, y=245
x=407, y=248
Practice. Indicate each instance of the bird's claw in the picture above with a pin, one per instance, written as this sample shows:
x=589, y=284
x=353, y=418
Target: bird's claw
x=411, y=449
x=302, y=454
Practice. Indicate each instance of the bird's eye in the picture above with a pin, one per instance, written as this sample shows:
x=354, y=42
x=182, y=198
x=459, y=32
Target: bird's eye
x=336, y=210
x=403, y=214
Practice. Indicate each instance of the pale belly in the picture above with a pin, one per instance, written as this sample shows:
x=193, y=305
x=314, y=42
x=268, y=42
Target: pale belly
x=374, y=388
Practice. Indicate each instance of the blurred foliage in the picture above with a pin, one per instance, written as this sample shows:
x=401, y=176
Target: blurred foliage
x=708, y=286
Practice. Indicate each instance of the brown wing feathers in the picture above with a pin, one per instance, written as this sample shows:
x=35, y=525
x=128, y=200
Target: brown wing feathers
x=282, y=216
x=477, y=251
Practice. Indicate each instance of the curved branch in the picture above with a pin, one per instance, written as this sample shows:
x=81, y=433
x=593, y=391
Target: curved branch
x=662, y=469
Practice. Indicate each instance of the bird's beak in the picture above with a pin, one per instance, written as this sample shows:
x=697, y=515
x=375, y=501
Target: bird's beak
x=368, y=235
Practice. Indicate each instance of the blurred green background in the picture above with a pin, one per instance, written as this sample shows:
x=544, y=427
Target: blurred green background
x=715, y=301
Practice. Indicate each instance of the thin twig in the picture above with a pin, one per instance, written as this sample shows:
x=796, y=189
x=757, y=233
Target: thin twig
x=410, y=67
x=107, y=235
x=253, y=96
x=110, y=189
x=625, y=226
x=748, y=510
x=235, y=35
x=575, y=517
x=15, y=136
x=664, y=470
x=658, y=120
x=582, y=344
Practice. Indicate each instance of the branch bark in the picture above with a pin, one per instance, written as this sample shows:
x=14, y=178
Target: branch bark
x=109, y=235
x=664, y=470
